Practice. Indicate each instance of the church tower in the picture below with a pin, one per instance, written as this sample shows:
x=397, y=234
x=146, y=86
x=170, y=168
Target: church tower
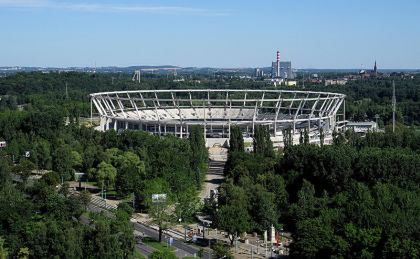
x=375, y=69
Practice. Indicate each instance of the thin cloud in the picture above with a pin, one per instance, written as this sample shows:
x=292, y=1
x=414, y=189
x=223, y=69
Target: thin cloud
x=98, y=7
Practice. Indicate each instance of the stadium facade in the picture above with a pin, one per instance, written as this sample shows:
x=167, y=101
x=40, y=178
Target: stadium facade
x=165, y=112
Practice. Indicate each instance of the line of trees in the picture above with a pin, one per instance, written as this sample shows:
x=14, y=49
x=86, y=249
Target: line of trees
x=365, y=98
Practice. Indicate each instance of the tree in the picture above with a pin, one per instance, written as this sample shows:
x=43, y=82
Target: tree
x=106, y=175
x=85, y=198
x=125, y=210
x=24, y=169
x=338, y=138
x=105, y=239
x=275, y=184
x=161, y=213
x=62, y=161
x=3, y=250
x=287, y=138
x=23, y=253
x=4, y=173
x=321, y=136
x=306, y=137
x=363, y=241
x=314, y=239
x=236, y=141
x=163, y=254
x=131, y=173
x=301, y=138
x=238, y=172
x=187, y=204
x=234, y=220
x=77, y=160
x=397, y=247
x=90, y=156
x=220, y=250
x=306, y=205
x=42, y=154
x=262, y=142
x=263, y=210
x=199, y=152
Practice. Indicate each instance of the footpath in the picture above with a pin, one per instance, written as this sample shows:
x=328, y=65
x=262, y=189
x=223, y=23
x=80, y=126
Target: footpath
x=214, y=176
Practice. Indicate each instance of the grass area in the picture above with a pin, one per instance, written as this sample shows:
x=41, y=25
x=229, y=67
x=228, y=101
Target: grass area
x=86, y=214
x=90, y=183
x=111, y=193
x=248, y=144
x=156, y=244
x=137, y=255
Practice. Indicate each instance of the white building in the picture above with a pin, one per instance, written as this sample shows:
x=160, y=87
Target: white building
x=335, y=82
x=362, y=127
x=291, y=83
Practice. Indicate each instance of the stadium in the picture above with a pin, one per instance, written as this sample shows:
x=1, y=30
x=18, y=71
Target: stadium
x=164, y=112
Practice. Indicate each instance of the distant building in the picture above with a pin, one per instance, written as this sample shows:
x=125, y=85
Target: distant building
x=291, y=83
x=335, y=82
x=259, y=72
x=281, y=69
x=362, y=127
x=275, y=81
x=284, y=72
x=274, y=69
x=370, y=73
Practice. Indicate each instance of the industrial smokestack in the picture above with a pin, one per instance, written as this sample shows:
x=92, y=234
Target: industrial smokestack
x=278, y=63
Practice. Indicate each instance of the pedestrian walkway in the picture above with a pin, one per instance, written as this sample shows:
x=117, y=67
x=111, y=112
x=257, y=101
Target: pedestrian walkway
x=214, y=176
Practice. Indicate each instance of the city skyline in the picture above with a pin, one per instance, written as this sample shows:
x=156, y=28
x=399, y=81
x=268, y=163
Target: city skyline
x=235, y=34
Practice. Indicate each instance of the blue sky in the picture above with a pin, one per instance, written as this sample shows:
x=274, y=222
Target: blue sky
x=217, y=33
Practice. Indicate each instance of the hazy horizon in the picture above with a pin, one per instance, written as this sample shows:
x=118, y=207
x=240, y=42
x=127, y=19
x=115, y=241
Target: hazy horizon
x=217, y=34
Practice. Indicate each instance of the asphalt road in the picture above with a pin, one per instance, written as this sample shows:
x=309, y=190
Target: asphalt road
x=183, y=249
x=144, y=249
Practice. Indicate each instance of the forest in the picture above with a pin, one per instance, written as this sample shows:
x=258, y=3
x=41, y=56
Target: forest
x=356, y=198
x=40, y=219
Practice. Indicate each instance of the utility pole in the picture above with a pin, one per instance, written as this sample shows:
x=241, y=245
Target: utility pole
x=394, y=104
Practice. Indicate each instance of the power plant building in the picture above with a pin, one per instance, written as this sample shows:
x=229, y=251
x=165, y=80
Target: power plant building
x=286, y=70
x=282, y=69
